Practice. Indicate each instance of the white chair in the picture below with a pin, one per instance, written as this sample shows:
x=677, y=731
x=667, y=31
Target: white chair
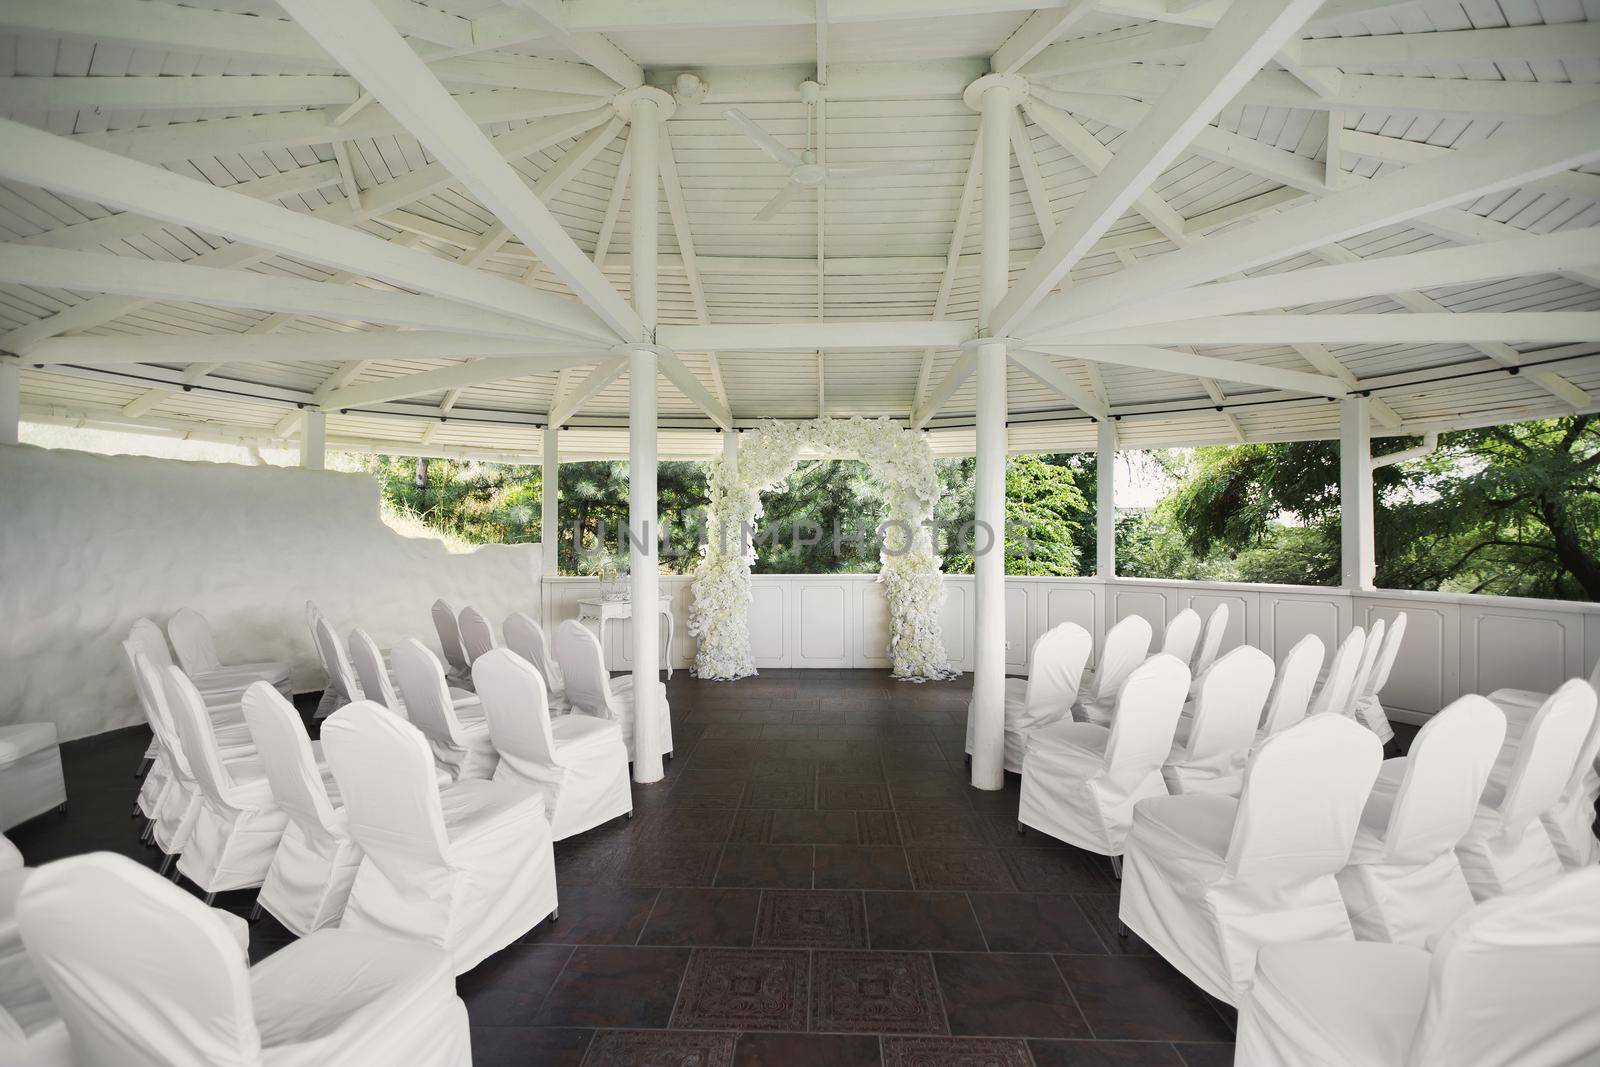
x=1368, y=668
x=461, y=746
x=1339, y=686
x=469, y=868
x=1080, y=781
x=1507, y=847
x=378, y=684
x=31, y=1031
x=1127, y=645
x=1570, y=822
x=1291, y=690
x=1047, y=694
x=1209, y=879
x=31, y=782
x=173, y=807
x=1403, y=883
x=144, y=974
x=1368, y=708
x=1183, y=633
x=445, y=623
x=342, y=680
x=593, y=691
x=221, y=690
x=315, y=863
x=196, y=649
x=1211, y=639
x=1512, y=982
x=477, y=636
x=525, y=637
x=578, y=763
x=1209, y=748
x=237, y=823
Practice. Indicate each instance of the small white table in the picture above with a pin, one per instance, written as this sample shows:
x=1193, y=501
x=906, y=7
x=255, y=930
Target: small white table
x=597, y=611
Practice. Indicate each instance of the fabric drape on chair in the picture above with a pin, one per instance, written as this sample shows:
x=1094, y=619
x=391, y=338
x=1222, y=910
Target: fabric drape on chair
x=592, y=690
x=1183, y=633
x=477, y=636
x=1127, y=645
x=1209, y=749
x=526, y=638
x=462, y=747
x=196, y=650
x=1339, y=687
x=1047, y=694
x=1211, y=640
x=445, y=624
x=1291, y=690
x=1368, y=708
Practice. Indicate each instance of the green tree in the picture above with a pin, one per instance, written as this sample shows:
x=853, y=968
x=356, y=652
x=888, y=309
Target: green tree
x=1050, y=524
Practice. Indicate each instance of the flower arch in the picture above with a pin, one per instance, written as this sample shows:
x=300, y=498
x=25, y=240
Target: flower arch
x=914, y=585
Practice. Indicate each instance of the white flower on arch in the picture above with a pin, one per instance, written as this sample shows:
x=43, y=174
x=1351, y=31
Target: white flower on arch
x=913, y=583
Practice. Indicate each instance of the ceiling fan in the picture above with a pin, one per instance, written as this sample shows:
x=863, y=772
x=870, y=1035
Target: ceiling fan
x=804, y=170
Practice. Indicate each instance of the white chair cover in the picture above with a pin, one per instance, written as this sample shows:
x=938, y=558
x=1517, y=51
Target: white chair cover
x=341, y=675
x=196, y=649
x=237, y=824
x=1211, y=639
x=1209, y=879
x=144, y=974
x=1403, y=883
x=311, y=872
x=477, y=636
x=1127, y=645
x=1209, y=750
x=1339, y=687
x=31, y=1031
x=377, y=683
x=1368, y=707
x=31, y=782
x=578, y=763
x=593, y=691
x=448, y=628
x=469, y=868
x=1512, y=982
x=1080, y=781
x=1047, y=694
x=1507, y=848
x=1183, y=633
x=1570, y=822
x=1369, y=664
x=222, y=689
x=461, y=746
x=525, y=637
x=1291, y=690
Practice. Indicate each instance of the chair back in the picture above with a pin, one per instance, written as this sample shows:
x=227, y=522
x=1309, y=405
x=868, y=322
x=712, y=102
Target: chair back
x=367, y=658
x=525, y=637
x=313, y=613
x=1446, y=769
x=148, y=682
x=1211, y=640
x=142, y=972
x=1148, y=707
x=1340, y=686
x=583, y=665
x=1513, y=980
x=10, y=855
x=1303, y=793
x=1057, y=670
x=198, y=738
x=192, y=641
x=341, y=676
x=291, y=768
x=1548, y=754
x=1227, y=709
x=425, y=692
x=477, y=636
x=146, y=638
x=1386, y=657
x=1291, y=692
x=444, y=621
x=384, y=769
x=1368, y=667
x=518, y=711
x=1127, y=645
x=1183, y=632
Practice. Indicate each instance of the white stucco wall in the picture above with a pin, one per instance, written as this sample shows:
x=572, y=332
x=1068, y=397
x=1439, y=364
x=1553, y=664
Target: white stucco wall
x=89, y=543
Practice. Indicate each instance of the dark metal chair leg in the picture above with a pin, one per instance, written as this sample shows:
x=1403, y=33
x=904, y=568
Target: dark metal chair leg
x=166, y=865
x=1116, y=867
x=255, y=912
x=209, y=898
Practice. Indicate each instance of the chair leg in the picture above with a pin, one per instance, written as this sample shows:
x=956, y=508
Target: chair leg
x=149, y=835
x=210, y=897
x=1116, y=867
x=555, y=913
x=255, y=912
x=61, y=809
x=144, y=766
x=1122, y=931
x=166, y=865
x=1021, y=829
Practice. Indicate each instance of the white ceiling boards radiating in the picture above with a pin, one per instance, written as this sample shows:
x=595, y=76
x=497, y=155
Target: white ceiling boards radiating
x=417, y=216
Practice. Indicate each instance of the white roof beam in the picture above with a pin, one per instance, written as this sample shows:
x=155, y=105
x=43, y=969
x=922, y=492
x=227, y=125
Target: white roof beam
x=921, y=80
x=1142, y=43
x=1039, y=366
x=672, y=189
x=948, y=386
x=368, y=47
x=809, y=336
x=592, y=385
x=1397, y=150
x=304, y=347
x=952, y=264
x=1533, y=327
x=1188, y=364
x=1035, y=34
x=1567, y=40
x=199, y=92
x=1231, y=53
x=592, y=48
x=458, y=376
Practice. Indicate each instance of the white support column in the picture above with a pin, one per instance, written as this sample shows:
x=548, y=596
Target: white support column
x=549, y=511
x=1105, y=501
x=646, y=108
x=10, y=402
x=313, y=440
x=730, y=446
x=1358, y=545
x=995, y=96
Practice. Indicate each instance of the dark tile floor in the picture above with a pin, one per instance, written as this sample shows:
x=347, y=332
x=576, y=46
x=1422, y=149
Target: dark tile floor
x=814, y=883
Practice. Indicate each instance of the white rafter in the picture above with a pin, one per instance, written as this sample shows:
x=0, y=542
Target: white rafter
x=1167, y=361
x=459, y=376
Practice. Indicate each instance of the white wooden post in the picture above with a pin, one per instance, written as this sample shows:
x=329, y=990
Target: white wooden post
x=1358, y=552
x=994, y=96
x=646, y=108
x=1105, y=500
x=549, y=511
x=10, y=402
x=313, y=440
x=730, y=446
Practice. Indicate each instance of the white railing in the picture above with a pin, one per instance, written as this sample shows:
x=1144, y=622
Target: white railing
x=1455, y=643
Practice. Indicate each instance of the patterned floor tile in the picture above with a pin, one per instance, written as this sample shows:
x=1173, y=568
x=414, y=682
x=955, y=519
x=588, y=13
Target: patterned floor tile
x=806, y=1050
x=811, y=919
x=958, y=868
x=744, y=989
x=660, y=1048
x=853, y=796
x=875, y=992
x=954, y=1052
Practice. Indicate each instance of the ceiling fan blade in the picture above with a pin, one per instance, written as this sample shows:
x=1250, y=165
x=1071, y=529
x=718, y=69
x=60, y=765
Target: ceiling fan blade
x=764, y=140
x=779, y=202
x=867, y=171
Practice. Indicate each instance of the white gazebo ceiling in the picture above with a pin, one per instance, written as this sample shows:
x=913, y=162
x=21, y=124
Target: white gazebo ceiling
x=115, y=320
